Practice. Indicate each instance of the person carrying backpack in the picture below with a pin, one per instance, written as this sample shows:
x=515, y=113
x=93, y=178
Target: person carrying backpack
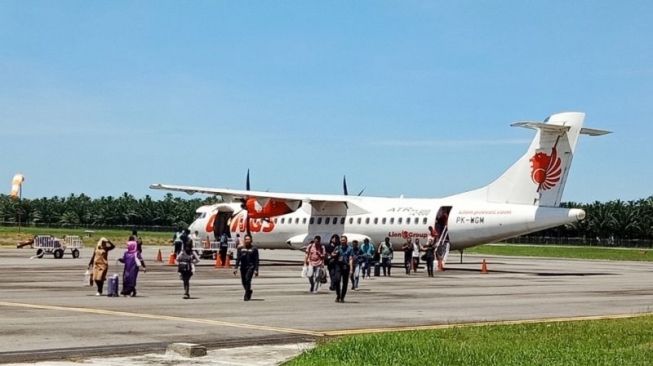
x=315, y=254
x=186, y=261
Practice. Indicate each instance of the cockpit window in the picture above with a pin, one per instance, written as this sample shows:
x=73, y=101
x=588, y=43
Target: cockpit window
x=200, y=215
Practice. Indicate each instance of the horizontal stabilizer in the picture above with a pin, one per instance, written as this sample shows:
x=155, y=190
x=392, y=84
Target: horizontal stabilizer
x=593, y=132
x=557, y=129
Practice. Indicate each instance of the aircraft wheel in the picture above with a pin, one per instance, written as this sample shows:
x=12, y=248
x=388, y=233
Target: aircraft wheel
x=75, y=253
x=58, y=254
x=40, y=253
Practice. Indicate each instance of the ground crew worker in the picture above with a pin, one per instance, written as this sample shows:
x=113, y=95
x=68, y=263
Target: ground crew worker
x=429, y=256
x=315, y=254
x=368, y=252
x=247, y=260
x=342, y=258
x=408, y=254
x=186, y=261
x=224, y=246
x=415, y=254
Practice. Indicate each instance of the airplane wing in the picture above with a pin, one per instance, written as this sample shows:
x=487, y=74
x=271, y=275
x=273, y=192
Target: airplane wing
x=293, y=200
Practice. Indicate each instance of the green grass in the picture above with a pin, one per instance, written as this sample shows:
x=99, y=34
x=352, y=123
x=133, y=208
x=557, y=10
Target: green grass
x=9, y=236
x=565, y=252
x=602, y=342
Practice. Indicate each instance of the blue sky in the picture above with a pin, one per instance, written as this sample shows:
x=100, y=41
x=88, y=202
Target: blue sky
x=404, y=97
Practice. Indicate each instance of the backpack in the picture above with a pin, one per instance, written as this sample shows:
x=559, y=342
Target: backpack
x=184, y=263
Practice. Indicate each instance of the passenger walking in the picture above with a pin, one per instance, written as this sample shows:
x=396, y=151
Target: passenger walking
x=368, y=253
x=342, y=257
x=133, y=262
x=186, y=267
x=334, y=242
x=385, y=250
x=139, y=241
x=177, y=240
x=247, y=260
x=415, y=255
x=429, y=256
x=408, y=255
x=99, y=263
x=358, y=262
x=315, y=254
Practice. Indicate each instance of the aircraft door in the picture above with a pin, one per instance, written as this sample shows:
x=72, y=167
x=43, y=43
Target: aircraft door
x=221, y=224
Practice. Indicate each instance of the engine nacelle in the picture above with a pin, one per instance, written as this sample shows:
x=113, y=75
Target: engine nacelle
x=271, y=208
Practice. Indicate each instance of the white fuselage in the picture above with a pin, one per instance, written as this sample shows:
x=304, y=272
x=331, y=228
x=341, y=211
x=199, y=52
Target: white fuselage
x=469, y=223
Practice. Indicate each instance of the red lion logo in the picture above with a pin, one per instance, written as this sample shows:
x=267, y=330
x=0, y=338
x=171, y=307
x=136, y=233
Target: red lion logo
x=546, y=169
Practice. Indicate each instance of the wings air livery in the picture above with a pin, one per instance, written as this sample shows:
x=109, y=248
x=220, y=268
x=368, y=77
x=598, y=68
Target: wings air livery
x=525, y=199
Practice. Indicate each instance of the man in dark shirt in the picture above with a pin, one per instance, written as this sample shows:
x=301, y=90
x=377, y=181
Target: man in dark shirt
x=342, y=257
x=247, y=261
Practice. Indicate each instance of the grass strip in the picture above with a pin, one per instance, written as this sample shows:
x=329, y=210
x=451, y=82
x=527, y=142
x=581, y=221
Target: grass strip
x=596, y=342
x=619, y=254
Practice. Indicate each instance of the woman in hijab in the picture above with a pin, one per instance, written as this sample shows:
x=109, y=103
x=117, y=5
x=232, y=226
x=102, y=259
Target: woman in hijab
x=133, y=261
x=100, y=263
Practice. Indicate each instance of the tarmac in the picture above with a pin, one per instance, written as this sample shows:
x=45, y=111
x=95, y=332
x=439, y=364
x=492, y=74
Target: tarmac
x=47, y=313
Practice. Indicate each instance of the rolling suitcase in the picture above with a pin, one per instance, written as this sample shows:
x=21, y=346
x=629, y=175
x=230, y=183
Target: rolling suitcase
x=377, y=269
x=114, y=284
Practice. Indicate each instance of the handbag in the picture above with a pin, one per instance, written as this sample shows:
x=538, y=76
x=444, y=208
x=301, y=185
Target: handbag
x=323, y=277
x=88, y=278
x=138, y=262
x=304, y=271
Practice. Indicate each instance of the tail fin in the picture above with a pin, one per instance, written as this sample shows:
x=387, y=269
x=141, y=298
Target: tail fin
x=539, y=177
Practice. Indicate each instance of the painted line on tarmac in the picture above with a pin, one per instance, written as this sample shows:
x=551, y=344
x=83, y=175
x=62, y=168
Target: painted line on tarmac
x=337, y=333
x=163, y=317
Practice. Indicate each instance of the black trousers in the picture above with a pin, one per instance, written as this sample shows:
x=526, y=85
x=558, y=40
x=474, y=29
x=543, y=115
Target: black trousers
x=341, y=280
x=386, y=263
x=223, y=255
x=429, y=265
x=331, y=267
x=177, y=247
x=100, y=285
x=186, y=280
x=408, y=263
x=246, y=275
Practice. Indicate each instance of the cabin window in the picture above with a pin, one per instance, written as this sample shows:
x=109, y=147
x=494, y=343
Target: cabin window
x=312, y=221
x=319, y=221
x=376, y=220
x=358, y=221
x=297, y=220
x=327, y=221
x=335, y=220
x=424, y=221
x=342, y=221
x=304, y=220
x=383, y=221
x=392, y=221
x=351, y=221
x=399, y=221
x=367, y=221
x=275, y=220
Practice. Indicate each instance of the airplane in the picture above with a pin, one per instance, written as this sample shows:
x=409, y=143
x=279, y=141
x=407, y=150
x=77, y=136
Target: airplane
x=524, y=199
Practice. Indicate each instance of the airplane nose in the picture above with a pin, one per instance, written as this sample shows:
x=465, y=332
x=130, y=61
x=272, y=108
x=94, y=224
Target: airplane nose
x=577, y=213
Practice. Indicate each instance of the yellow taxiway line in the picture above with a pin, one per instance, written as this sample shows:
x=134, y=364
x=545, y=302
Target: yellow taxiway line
x=162, y=317
x=326, y=333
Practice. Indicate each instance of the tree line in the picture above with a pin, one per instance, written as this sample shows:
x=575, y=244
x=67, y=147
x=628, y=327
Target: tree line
x=84, y=211
x=617, y=220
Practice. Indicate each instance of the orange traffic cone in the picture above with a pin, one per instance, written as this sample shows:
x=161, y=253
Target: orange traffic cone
x=484, y=267
x=171, y=259
x=227, y=262
x=159, y=258
x=218, y=262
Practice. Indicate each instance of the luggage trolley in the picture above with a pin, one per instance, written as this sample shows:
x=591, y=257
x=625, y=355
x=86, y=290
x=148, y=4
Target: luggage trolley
x=210, y=249
x=48, y=244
